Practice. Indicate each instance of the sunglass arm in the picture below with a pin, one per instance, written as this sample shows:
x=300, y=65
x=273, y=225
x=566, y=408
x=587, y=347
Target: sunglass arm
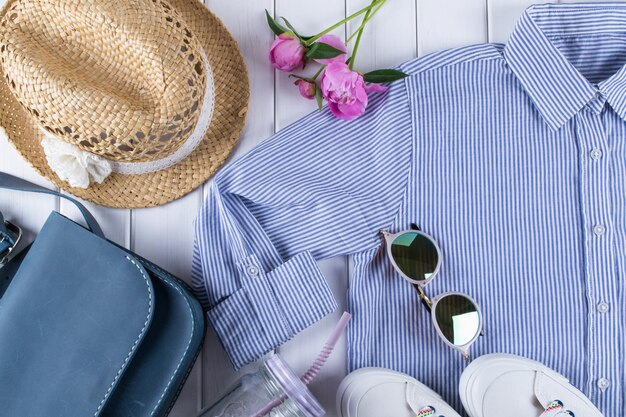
x=424, y=298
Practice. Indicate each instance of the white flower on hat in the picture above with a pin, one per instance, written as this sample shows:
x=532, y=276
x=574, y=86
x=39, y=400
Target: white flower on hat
x=74, y=165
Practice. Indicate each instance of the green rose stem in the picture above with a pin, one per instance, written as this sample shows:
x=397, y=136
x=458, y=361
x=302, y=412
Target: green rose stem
x=366, y=10
x=360, y=31
x=313, y=78
x=317, y=74
x=362, y=25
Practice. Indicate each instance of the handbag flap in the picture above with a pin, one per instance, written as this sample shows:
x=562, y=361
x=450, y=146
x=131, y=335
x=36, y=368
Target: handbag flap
x=70, y=323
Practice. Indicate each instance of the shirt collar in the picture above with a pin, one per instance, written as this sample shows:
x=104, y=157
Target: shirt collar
x=556, y=87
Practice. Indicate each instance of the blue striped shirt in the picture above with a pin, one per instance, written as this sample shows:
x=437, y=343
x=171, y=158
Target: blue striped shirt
x=513, y=157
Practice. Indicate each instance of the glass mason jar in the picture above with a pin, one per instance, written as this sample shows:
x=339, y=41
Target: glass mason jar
x=255, y=391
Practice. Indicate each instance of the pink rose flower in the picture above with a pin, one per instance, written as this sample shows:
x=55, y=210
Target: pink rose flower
x=306, y=88
x=336, y=43
x=287, y=53
x=377, y=88
x=345, y=91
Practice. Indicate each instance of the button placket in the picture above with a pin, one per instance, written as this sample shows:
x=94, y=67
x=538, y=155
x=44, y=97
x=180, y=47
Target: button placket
x=595, y=162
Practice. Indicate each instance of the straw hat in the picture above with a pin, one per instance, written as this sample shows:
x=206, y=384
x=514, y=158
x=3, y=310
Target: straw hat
x=126, y=103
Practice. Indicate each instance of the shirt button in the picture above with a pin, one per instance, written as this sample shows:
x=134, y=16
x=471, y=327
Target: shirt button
x=252, y=270
x=602, y=307
x=599, y=229
x=603, y=383
x=596, y=154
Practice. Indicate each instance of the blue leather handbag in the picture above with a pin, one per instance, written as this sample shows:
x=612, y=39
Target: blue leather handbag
x=88, y=328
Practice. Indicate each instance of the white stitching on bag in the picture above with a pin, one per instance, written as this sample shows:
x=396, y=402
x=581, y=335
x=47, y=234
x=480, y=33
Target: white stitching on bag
x=186, y=349
x=134, y=347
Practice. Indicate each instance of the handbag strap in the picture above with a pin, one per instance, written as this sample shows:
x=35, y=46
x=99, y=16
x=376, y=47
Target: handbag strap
x=4, y=232
x=11, y=182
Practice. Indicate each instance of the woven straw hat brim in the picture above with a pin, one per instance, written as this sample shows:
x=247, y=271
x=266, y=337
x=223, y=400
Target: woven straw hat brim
x=232, y=94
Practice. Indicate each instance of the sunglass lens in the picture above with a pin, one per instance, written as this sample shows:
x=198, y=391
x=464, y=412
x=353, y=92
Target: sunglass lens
x=415, y=255
x=458, y=319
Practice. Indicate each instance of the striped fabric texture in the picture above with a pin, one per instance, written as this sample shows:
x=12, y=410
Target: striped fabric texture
x=513, y=157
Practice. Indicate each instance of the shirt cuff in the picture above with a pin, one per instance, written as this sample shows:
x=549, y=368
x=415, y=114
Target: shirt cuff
x=270, y=308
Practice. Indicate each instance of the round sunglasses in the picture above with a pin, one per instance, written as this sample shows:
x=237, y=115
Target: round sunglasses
x=417, y=258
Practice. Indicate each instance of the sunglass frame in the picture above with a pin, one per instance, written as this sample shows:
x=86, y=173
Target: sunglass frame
x=432, y=303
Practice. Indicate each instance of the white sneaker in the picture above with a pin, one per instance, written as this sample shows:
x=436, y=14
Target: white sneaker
x=377, y=392
x=495, y=383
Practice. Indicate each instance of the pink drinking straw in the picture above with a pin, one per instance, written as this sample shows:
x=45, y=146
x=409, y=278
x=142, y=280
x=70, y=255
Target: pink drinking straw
x=312, y=372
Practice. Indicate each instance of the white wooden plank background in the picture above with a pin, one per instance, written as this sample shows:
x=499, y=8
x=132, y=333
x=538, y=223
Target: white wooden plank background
x=402, y=30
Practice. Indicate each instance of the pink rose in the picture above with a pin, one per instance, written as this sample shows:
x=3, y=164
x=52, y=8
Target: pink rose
x=344, y=90
x=336, y=43
x=377, y=88
x=287, y=53
x=306, y=88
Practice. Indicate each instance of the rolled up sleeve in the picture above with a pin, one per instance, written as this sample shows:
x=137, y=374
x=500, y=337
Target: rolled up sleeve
x=273, y=306
x=319, y=188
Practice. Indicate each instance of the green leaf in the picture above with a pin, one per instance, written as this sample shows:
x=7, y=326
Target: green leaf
x=318, y=97
x=291, y=27
x=276, y=28
x=320, y=50
x=384, y=76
